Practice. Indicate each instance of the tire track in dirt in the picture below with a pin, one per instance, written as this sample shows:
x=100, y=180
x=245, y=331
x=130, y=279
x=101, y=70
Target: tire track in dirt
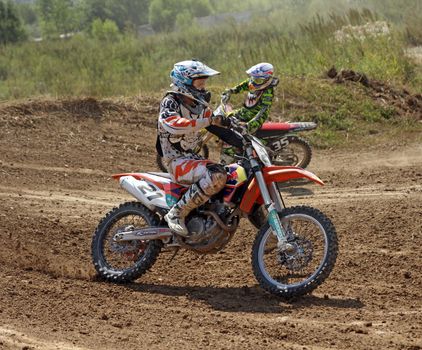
x=101, y=198
x=13, y=339
x=44, y=168
x=60, y=267
x=378, y=331
x=395, y=158
x=175, y=306
x=48, y=292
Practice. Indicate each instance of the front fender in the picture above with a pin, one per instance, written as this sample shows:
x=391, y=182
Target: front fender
x=274, y=174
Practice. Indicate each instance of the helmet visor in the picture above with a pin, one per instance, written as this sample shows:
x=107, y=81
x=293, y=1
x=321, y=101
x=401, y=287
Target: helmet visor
x=258, y=81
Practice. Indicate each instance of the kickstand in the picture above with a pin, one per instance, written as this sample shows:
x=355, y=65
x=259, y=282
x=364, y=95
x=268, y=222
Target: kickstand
x=174, y=254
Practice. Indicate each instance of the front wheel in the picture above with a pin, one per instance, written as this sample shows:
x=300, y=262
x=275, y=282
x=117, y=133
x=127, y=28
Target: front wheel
x=122, y=262
x=297, y=272
x=298, y=153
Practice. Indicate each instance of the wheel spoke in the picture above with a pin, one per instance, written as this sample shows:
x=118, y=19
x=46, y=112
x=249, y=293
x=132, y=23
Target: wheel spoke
x=314, y=252
x=124, y=261
x=297, y=153
x=121, y=255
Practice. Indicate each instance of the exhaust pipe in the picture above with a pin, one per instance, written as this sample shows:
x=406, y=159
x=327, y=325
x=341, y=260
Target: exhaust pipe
x=145, y=234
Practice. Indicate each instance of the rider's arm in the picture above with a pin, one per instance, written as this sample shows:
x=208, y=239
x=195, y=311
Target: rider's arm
x=171, y=120
x=243, y=86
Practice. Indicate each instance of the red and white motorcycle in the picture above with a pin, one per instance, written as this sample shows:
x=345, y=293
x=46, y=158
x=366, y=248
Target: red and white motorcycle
x=294, y=251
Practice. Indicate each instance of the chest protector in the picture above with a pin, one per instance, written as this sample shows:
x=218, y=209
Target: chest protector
x=184, y=142
x=252, y=98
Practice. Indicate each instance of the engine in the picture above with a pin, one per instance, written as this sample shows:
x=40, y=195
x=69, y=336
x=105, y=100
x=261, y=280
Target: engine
x=206, y=234
x=202, y=228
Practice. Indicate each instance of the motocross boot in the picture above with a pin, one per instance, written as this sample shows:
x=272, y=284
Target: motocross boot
x=192, y=199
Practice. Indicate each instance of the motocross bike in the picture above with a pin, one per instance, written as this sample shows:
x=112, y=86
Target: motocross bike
x=284, y=147
x=294, y=250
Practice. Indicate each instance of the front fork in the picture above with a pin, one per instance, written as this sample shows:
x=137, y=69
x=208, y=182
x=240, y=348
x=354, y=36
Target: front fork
x=274, y=204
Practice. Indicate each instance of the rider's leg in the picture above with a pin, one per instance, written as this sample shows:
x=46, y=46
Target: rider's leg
x=208, y=178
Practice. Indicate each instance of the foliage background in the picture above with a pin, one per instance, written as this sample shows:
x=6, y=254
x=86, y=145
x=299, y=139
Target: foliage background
x=102, y=55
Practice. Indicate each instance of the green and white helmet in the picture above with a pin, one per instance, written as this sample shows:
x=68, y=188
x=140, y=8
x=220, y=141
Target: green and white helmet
x=260, y=76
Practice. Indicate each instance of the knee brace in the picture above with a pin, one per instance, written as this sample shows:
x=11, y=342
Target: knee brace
x=214, y=180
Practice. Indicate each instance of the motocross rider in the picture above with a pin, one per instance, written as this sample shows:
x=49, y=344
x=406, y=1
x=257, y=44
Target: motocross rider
x=256, y=108
x=184, y=111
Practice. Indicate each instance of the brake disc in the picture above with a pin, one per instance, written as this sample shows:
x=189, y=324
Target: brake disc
x=300, y=257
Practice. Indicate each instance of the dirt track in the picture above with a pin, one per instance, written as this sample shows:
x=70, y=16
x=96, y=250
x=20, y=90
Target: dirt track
x=55, y=163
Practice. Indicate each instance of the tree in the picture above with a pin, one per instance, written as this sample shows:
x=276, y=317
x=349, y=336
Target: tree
x=164, y=13
x=161, y=16
x=199, y=8
x=122, y=12
x=184, y=20
x=28, y=13
x=137, y=11
x=11, y=28
x=57, y=17
x=105, y=31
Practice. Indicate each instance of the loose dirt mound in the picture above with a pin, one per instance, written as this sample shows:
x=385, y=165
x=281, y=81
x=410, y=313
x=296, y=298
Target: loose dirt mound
x=125, y=110
x=81, y=107
x=55, y=187
x=404, y=102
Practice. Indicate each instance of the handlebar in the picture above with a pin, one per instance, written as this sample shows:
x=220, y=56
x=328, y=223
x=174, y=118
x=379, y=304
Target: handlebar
x=225, y=98
x=235, y=123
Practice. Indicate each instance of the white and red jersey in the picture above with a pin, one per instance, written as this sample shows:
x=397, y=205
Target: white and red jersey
x=179, y=128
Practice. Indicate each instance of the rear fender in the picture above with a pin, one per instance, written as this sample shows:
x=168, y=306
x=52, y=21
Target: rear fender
x=274, y=174
x=303, y=126
x=156, y=180
x=145, y=188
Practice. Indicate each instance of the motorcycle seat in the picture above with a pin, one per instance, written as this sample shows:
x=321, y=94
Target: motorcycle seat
x=165, y=175
x=278, y=129
x=276, y=126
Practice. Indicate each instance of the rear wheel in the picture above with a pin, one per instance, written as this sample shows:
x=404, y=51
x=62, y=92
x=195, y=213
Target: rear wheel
x=122, y=262
x=297, y=272
x=297, y=153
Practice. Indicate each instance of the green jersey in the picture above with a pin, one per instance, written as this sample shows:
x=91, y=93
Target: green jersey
x=257, y=105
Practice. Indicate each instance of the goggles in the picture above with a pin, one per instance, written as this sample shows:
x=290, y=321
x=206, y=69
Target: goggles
x=258, y=81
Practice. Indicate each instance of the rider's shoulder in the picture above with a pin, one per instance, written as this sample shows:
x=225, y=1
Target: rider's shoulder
x=170, y=100
x=274, y=82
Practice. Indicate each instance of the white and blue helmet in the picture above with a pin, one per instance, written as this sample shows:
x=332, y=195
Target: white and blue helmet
x=260, y=75
x=184, y=73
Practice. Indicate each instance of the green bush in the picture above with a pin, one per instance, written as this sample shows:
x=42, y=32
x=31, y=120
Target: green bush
x=105, y=31
x=163, y=14
x=11, y=28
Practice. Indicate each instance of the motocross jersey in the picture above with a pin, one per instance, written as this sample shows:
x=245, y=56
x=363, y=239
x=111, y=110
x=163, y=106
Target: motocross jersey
x=179, y=128
x=256, y=108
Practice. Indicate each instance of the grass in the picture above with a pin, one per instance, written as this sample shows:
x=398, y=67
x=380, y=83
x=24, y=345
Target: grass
x=82, y=66
x=344, y=112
